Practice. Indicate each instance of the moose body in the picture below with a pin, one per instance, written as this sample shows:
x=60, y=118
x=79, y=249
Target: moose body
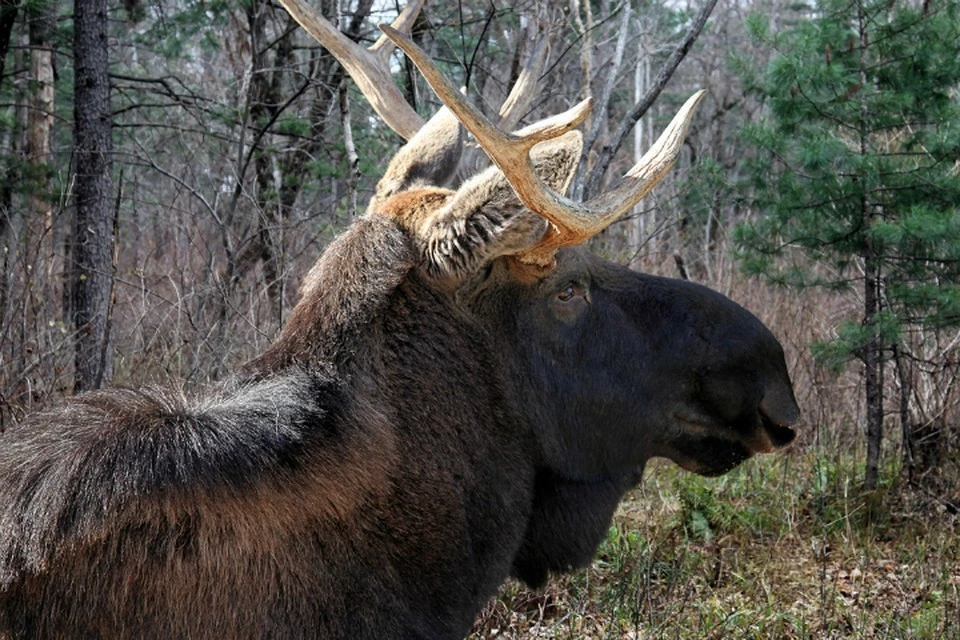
x=380, y=483
x=437, y=414
x=383, y=498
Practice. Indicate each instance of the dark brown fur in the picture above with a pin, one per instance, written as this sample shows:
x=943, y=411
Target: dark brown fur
x=425, y=425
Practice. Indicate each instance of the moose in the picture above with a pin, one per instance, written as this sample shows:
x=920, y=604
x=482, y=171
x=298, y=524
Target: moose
x=462, y=394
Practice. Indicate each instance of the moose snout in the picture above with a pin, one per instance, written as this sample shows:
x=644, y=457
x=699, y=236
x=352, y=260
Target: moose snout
x=778, y=404
x=778, y=410
x=743, y=406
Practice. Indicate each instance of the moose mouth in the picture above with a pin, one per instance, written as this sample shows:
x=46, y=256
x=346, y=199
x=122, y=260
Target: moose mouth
x=710, y=447
x=778, y=435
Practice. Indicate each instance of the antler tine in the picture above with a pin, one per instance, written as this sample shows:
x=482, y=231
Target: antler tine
x=572, y=222
x=383, y=47
x=502, y=146
x=368, y=68
x=644, y=176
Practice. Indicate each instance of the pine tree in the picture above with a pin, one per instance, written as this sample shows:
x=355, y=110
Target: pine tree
x=857, y=167
x=93, y=236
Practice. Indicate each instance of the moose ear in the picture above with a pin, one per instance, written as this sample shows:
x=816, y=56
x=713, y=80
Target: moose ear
x=429, y=159
x=485, y=219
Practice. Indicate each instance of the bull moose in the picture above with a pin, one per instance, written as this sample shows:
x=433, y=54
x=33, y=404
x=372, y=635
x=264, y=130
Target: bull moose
x=461, y=394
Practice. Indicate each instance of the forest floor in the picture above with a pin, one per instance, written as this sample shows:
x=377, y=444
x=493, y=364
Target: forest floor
x=785, y=547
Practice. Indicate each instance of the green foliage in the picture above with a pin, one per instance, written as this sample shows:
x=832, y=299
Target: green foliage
x=323, y=168
x=853, y=337
x=814, y=558
x=857, y=160
x=708, y=185
x=620, y=544
x=700, y=507
x=712, y=507
x=292, y=126
x=180, y=30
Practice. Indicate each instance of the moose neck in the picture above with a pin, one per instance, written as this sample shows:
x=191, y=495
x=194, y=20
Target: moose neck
x=343, y=292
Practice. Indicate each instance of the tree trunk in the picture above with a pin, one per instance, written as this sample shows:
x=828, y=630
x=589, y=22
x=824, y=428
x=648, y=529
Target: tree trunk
x=280, y=176
x=353, y=177
x=642, y=226
x=873, y=370
x=42, y=19
x=872, y=282
x=8, y=17
x=905, y=377
x=91, y=273
x=601, y=100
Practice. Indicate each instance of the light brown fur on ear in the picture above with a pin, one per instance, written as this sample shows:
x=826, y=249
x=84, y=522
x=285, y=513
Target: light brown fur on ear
x=525, y=272
x=412, y=208
x=484, y=219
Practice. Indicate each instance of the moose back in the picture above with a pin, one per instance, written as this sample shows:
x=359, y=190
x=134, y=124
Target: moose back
x=461, y=394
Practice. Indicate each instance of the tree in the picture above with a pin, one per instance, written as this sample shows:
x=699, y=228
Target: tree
x=91, y=273
x=857, y=171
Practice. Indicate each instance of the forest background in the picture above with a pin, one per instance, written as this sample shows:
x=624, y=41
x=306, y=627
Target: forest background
x=169, y=171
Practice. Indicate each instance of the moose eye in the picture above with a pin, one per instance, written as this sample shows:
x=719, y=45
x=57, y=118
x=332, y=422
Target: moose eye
x=567, y=294
x=571, y=302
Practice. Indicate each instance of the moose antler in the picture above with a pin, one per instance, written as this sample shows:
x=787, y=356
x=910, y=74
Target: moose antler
x=369, y=68
x=571, y=222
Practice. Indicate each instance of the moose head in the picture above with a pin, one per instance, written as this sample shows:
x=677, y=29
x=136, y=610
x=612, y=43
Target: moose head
x=463, y=393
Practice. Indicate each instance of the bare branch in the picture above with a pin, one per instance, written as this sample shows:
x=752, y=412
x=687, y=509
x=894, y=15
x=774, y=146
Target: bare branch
x=610, y=149
x=524, y=89
x=603, y=100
